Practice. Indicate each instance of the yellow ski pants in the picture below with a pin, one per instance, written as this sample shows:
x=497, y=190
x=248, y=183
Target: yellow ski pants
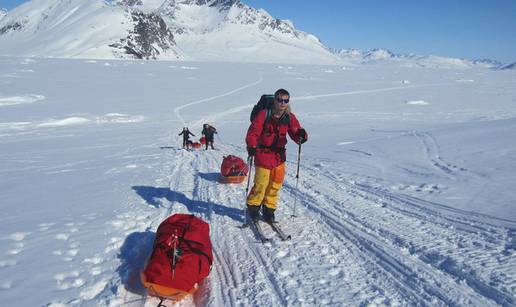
x=267, y=184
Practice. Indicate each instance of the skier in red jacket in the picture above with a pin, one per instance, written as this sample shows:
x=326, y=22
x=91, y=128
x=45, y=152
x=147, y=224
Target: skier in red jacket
x=266, y=139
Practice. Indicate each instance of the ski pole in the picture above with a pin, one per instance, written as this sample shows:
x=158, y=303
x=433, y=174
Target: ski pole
x=297, y=177
x=250, y=166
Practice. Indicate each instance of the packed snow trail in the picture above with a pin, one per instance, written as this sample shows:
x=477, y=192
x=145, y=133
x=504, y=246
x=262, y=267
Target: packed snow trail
x=459, y=250
x=369, y=245
x=370, y=91
x=344, y=239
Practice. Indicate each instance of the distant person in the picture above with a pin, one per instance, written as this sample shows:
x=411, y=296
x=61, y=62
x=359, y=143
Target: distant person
x=208, y=132
x=186, y=137
x=266, y=139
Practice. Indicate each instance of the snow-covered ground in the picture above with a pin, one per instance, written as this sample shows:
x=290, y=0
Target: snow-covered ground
x=405, y=195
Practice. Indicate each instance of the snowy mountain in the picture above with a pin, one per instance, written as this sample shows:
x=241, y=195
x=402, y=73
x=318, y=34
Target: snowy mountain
x=226, y=30
x=510, y=66
x=488, y=63
x=357, y=56
x=84, y=29
x=3, y=12
x=56, y=28
x=378, y=54
x=200, y=30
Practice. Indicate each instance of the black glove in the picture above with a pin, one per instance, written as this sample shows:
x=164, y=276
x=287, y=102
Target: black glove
x=301, y=134
x=251, y=151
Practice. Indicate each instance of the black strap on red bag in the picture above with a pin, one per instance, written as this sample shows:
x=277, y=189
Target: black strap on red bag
x=173, y=255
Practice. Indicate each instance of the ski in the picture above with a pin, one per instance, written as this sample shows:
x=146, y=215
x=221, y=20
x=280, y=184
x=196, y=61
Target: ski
x=258, y=231
x=279, y=231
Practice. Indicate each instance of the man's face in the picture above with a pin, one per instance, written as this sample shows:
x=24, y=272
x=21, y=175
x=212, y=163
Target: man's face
x=281, y=102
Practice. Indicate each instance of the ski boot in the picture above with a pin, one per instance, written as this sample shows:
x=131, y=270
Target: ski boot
x=268, y=214
x=253, y=212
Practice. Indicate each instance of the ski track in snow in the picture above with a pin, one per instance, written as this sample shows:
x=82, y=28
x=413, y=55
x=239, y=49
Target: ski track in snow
x=431, y=255
x=433, y=154
x=461, y=248
x=378, y=90
x=178, y=109
x=367, y=256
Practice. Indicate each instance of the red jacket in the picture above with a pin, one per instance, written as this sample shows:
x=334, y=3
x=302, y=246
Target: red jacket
x=270, y=138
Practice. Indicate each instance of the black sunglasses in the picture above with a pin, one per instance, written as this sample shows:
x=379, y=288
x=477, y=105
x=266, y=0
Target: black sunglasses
x=282, y=100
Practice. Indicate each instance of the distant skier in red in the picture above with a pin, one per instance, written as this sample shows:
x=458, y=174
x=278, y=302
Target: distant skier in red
x=209, y=132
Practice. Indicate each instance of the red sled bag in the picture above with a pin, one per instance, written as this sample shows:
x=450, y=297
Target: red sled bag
x=181, y=258
x=233, y=170
x=202, y=140
x=233, y=166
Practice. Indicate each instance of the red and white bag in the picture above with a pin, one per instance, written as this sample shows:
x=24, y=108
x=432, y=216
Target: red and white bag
x=181, y=258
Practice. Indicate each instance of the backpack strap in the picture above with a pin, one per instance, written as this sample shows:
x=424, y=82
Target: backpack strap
x=267, y=116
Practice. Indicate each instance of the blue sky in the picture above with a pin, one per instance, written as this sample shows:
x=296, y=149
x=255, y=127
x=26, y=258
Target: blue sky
x=471, y=29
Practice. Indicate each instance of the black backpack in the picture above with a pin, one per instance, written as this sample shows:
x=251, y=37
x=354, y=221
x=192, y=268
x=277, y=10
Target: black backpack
x=265, y=102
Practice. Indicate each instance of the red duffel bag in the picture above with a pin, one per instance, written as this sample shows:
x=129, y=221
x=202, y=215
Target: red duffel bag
x=181, y=258
x=233, y=170
x=233, y=166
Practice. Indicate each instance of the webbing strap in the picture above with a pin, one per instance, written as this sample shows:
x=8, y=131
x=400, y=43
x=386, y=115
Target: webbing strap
x=189, y=243
x=196, y=250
